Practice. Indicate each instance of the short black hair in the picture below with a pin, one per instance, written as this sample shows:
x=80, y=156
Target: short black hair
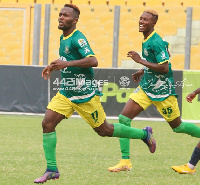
x=74, y=7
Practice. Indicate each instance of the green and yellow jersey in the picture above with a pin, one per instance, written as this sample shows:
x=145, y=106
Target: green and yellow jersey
x=157, y=86
x=77, y=84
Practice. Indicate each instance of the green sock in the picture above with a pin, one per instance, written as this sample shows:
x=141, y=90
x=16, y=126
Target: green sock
x=49, y=145
x=188, y=128
x=124, y=142
x=123, y=131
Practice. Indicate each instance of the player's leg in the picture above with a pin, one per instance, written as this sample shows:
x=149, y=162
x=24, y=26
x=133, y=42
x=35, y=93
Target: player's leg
x=179, y=126
x=189, y=168
x=125, y=118
x=170, y=111
x=49, y=123
x=137, y=103
x=94, y=114
x=57, y=110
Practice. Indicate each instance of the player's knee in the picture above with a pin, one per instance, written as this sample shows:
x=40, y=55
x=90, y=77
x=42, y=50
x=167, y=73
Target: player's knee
x=104, y=130
x=47, y=126
x=124, y=120
x=179, y=129
x=102, y=133
x=44, y=125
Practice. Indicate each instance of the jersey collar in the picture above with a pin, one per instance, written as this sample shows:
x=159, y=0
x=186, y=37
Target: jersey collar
x=64, y=38
x=149, y=36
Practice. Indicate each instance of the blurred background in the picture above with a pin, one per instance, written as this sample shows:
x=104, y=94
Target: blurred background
x=29, y=32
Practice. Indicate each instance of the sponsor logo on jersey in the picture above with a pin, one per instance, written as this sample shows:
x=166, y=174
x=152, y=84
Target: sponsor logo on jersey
x=67, y=49
x=87, y=50
x=82, y=42
x=146, y=52
x=163, y=55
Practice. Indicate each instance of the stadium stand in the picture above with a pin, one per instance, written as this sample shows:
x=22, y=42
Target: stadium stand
x=97, y=21
x=44, y=1
x=96, y=31
x=153, y=2
x=124, y=41
x=100, y=9
x=173, y=3
x=105, y=17
x=108, y=25
x=116, y=2
x=98, y=2
x=105, y=56
x=196, y=14
x=85, y=16
x=125, y=16
x=26, y=1
x=62, y=1
x=172, y=10
x=177, y=61
x=134, y=3
x=195, y=50
x=168, y=30
x=78, y=2
x=85, y=8
x=180, y=20
x=190, y=3
x=8, y=1
x=129, y=24
x=160, y=9
x=194, y=62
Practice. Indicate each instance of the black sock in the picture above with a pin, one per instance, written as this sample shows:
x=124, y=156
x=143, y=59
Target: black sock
x=195, y=156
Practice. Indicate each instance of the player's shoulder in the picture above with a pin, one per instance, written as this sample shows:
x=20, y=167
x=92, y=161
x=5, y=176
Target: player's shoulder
x=61, y=37
x=79, y=38
x=157, y=39
x=78, y=34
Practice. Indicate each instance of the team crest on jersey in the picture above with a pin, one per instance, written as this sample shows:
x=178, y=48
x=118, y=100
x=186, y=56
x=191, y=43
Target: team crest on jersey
x=82, y=42
x=163, y=55
x=67, y=49
x=146, y=52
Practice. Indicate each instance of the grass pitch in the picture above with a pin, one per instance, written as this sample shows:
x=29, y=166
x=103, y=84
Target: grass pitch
x=83, y=157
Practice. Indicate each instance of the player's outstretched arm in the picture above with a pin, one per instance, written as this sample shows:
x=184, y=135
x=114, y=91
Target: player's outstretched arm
x=136, y=76
x=161, y=68
x=84, y=63
x=46, y=73
x=192, y=95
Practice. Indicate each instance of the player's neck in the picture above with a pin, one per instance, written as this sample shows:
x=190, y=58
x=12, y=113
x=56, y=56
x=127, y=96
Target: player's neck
x=146, y=34
x=68, y=31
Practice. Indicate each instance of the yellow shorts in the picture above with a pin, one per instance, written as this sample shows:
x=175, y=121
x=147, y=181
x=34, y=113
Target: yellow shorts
x=168, y=108
x=91, y=111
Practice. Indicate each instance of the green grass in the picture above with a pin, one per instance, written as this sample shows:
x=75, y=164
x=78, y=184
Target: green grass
x=83, y=157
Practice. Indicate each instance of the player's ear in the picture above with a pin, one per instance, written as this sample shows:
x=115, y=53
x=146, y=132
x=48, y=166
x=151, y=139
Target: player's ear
x=154, y=22
x=75, y=20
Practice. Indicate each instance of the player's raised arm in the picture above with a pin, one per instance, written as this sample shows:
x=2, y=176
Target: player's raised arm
x=192, y=95
x=84, y=63
x=46, y=73
x=161, y=68
x=136, y=76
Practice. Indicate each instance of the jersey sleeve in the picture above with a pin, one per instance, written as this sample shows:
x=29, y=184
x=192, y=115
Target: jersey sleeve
x=160, y=50
x=81, y=44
